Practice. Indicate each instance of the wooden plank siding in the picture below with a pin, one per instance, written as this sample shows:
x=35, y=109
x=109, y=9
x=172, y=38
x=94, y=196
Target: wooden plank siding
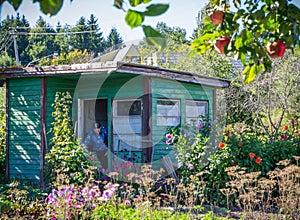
x=54, y=85
x=166, y=89
x=24, y=129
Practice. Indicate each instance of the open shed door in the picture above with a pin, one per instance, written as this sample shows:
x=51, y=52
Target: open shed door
x=127, y=129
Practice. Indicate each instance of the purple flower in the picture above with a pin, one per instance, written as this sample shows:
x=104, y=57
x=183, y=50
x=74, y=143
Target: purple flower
x=169, y=136
x=127, y=202
x=185, y=135
x=93, y=206
x=216, y=121
x=191, y=166
x=200, y=125
x=107, y=194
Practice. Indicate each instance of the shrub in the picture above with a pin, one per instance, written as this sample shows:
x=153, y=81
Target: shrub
x=66, y=162
x=243, y=148
x=2, y=134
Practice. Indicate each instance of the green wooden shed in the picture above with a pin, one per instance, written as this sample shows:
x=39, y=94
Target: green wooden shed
x=135, y=102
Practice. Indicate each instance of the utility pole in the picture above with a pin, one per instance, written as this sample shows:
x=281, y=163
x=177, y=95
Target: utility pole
x=16, y=48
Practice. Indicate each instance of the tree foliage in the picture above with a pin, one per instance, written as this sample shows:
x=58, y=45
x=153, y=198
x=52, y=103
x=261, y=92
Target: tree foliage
x=42, y=41
x=251, y=25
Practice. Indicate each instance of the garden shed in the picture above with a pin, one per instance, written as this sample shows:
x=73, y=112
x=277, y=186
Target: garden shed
x=137, y=103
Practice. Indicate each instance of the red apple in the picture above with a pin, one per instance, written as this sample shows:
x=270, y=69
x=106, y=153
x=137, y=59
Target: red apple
x=217, y=17
x=276, y=49
x=221, y=42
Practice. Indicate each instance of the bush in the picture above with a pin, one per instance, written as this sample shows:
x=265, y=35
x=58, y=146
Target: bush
x=21, y=201
x=66, y=162
x=2, y=134
x=243, y=148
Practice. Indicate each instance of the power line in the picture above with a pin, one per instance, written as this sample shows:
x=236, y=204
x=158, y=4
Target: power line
x=50, y=33
x=49, y=27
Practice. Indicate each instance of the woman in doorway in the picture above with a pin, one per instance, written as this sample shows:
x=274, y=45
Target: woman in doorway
x=96, y=141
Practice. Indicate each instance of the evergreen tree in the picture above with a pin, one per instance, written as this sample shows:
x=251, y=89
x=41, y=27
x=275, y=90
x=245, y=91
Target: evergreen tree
x=8, y=28
x=80, y=40
x=41, y=44
x=113, y=38
x=96, y=42
x=62, y=40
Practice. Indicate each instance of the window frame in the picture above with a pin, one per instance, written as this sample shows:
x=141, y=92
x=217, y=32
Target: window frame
x=163, y=122
x=204, y=103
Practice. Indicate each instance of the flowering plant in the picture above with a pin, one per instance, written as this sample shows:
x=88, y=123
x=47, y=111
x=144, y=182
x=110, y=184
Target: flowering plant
x=74, y=203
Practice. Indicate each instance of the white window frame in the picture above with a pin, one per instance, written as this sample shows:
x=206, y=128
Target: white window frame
x=203, y=103
x=164, y=120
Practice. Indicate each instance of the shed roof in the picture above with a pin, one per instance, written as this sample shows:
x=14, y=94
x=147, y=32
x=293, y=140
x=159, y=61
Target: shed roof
x=120, y=67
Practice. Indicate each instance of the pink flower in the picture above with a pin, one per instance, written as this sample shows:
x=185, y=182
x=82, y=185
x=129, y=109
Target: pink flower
x=191, y=166
x=169, y=141
x=169, y=136
x=185, y=135
x=127, y=202
x=92, y=157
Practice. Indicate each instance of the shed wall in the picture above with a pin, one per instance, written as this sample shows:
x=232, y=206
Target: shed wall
x=24, y=128
x=166, y=89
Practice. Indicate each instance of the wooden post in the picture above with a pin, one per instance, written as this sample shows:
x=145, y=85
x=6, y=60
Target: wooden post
x=43, y=129
x=7, y=132
x=147, y=120
x=215, y=104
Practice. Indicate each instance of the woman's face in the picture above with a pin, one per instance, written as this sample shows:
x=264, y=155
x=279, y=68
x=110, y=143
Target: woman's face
x=97, y=130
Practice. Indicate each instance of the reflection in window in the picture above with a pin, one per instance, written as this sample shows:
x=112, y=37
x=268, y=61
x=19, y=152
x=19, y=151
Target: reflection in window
x=168, y=112
x=194, y=109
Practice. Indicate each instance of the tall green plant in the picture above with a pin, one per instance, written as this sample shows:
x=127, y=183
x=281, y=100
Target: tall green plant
x=66, y=162
x=2, y=132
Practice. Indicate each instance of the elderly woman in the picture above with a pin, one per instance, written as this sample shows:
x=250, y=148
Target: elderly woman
x=96, y=140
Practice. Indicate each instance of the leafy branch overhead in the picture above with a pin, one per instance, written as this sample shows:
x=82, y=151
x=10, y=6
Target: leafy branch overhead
x=253, y=31
x=136, y=18
x=256, y=33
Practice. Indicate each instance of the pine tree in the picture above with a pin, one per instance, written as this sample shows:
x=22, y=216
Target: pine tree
x=96, y=42
x=113, y=38
x=80, y=40
x=41, y=45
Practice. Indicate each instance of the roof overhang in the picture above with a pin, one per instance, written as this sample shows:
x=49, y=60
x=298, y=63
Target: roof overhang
x=108, y=67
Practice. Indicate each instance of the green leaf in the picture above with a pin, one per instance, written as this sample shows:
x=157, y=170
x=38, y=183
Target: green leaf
x=134, y=18
x=208, y=27
x=208, y=36
x=118, y=4
x=50, y=7
x=243, y=58
x=153, y=37
x=134, y=3
x=156, y=9
x=238, y=43
x=15, y=3
x=251, y=71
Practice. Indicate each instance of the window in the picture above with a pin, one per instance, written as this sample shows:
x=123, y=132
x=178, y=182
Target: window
x=168, y=112
x=127, y=125
x=194, y=109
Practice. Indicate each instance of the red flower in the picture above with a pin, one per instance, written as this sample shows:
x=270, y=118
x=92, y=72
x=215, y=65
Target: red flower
x=286, y=128
x=240, y=144
x=258, y=160
x=252, y=155
x=221, y=145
